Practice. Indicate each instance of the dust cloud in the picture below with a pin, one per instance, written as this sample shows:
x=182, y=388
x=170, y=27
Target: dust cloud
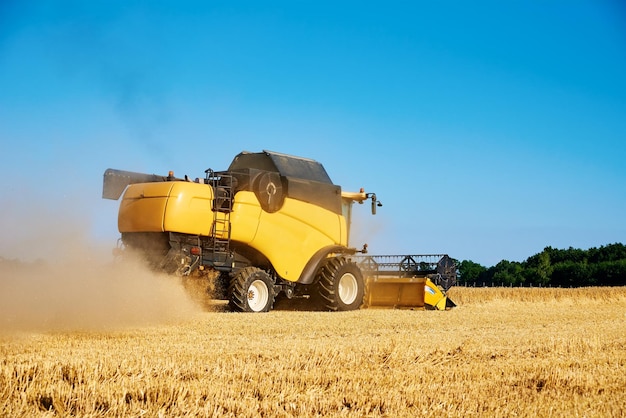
x=71, y=283
x=83, y=296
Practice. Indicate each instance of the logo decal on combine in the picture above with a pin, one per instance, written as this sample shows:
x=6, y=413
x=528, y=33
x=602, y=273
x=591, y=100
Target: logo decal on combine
x=430, y=290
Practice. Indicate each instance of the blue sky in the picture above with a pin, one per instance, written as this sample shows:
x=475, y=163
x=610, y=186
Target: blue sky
x=488, y=129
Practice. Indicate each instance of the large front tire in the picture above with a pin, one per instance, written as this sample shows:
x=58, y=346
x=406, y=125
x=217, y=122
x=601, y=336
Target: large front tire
x=251, y=290
x=340, y=285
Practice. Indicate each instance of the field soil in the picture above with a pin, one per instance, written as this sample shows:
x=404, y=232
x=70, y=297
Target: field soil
x=501, y=352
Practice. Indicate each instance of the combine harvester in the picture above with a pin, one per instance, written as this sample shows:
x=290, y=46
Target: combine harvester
x=271, y=225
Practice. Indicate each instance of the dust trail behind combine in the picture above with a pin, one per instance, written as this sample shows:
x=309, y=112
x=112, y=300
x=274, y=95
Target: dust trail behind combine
x=74, y=284
x=77, y=293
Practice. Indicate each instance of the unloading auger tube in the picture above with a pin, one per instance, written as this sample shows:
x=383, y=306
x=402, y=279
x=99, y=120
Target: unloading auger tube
x=408, y=281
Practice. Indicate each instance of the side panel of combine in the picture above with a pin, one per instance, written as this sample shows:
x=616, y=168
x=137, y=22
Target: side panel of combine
x=143, y=206
x=189, y=209
x=166, y=206
x=245, y=217
x=290, y=237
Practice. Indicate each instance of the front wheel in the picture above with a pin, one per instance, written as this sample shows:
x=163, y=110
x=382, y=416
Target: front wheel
x=340, y=285
x=251, y=290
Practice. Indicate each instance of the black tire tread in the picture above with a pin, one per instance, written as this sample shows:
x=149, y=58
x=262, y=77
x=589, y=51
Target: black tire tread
x=238, y=290
x=327, y=288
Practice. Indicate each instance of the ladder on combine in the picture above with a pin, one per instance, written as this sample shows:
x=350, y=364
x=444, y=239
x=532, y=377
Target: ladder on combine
x=222, y=184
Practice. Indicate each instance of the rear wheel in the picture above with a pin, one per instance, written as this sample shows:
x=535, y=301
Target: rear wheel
x=340, y=285
x=251, y=290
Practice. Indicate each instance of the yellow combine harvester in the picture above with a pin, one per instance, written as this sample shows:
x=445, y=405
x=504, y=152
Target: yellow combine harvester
x=271, y=225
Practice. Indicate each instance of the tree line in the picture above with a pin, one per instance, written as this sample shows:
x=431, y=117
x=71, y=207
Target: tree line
x=571, y=267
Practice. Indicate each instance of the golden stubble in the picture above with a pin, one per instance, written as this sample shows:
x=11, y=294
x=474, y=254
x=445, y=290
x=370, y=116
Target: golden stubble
x=502, y=352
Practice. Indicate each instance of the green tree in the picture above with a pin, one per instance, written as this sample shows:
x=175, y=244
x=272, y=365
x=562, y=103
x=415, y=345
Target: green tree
x=610, y=273
x=508, y=273
x=611, y=252
x=538, y=269
x=470, y=272
x=571, y=274
x=571, y=267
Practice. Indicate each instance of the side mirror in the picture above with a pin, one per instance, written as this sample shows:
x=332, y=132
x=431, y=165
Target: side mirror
x=375, y=203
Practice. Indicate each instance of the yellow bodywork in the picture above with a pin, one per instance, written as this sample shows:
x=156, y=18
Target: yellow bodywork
x=157, y=207
x=405, y=292
x=291, y=236
x=288, y=238
x=394, y=293
x=434, y=297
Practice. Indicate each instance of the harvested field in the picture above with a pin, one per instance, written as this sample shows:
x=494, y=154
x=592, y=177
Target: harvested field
x=502, y=352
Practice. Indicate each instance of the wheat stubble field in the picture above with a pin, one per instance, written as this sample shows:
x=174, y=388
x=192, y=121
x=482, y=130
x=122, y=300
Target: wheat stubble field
x=502, y=352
